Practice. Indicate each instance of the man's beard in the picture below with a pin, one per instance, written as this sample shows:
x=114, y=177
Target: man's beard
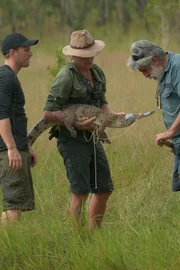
x=157, y=73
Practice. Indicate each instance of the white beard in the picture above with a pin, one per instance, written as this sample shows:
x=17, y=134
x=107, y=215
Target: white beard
x=157, y=73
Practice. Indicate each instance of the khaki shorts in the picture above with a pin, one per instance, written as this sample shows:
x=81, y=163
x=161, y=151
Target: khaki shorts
x=17, y=186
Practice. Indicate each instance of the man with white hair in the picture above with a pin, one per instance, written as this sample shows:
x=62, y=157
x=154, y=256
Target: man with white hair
x=155, y=63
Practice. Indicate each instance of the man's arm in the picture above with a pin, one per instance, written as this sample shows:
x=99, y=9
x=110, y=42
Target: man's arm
x=107, y=109
x=168, y=134
x=57, y=117
x=15, y=160
x=33, y=156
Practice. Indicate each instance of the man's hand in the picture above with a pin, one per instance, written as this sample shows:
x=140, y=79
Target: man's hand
x=121, y=113
x=15, y=160
x=33, y=157
x=163, y=136
x=85, y=125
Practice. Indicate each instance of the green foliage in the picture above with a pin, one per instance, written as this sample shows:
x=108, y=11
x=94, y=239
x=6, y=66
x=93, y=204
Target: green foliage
x=60, y=61
x=140, y=230
x=161, y=16
x=7, y=10
x=65, y=16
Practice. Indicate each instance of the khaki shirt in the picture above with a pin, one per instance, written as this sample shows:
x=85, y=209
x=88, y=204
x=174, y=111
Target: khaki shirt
x=71, y=87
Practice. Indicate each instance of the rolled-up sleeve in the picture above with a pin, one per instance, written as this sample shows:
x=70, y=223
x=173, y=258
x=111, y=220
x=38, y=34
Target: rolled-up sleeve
x=60, y=91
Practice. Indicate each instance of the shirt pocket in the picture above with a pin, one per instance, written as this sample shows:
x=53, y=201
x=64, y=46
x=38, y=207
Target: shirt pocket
x=79, y=90
x=168, y=89
x=170, y=99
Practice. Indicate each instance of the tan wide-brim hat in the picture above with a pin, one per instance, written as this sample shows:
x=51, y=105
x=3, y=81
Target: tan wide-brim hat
x=83, y=45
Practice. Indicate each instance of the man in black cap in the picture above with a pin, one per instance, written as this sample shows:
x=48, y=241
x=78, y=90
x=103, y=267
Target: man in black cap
x=16, y=156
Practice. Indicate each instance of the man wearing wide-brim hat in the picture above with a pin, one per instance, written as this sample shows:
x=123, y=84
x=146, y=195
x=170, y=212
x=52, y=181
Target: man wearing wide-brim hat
x=81, y=81
x=83, y=45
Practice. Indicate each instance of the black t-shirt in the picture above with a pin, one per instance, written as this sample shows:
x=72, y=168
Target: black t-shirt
x=12, y=103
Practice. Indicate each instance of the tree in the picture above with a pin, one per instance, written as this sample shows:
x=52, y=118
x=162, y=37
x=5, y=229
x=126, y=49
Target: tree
x=159, y=15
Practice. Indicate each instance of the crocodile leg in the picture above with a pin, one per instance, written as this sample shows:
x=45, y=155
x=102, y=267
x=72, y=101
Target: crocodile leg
x=101, y=131
x=68, y=122
x=105, y=138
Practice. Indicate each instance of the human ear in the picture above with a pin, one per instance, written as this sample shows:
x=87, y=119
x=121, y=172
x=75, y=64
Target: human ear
x=155, y=60
x=11, y=52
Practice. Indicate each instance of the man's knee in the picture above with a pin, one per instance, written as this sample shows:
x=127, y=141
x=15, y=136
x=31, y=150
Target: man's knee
x=11, y=216
x=102, y=196
x=81, y=198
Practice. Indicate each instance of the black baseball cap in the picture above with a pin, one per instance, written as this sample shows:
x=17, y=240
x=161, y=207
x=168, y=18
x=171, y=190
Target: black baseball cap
x=15, y=40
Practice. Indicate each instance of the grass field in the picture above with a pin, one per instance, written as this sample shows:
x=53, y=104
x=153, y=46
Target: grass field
x=142, y=222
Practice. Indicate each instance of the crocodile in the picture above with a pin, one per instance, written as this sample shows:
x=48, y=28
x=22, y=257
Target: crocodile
x=81, y=112
x=167, y=143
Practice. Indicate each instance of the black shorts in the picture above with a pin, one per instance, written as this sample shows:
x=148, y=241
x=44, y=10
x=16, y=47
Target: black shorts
x=86, y=166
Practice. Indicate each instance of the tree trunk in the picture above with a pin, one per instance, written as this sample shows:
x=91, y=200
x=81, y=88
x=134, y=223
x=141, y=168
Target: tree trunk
x=125, y=14
x=69, y=15
x=104, y=11
x=62, y=14
x=13, y=16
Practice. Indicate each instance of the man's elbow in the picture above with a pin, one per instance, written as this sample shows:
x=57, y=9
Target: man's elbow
x=56, y=117
x=47, y=115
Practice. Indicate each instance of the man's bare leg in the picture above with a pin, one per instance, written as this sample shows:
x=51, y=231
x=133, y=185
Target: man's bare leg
x=11, y=216
x=76, y=208
x=97, y=209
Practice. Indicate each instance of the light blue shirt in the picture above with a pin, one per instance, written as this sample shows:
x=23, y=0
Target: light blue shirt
x=169, y=92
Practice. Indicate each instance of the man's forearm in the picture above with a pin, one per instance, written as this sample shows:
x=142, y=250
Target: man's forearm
x=56, y=117
x=106, y=108
x=175, y=126
x=6, y=133
x=169, y=133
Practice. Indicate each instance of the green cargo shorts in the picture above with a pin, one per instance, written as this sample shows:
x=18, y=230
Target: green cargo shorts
x=87, y=169
x=17, y=186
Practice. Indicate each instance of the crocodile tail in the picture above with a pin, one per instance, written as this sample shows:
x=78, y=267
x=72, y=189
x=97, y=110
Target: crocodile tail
x=37, y=130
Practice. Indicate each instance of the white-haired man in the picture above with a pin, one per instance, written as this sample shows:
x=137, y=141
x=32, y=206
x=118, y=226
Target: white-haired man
x=155, y=63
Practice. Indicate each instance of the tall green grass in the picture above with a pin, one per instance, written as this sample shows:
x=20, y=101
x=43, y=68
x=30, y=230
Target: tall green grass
x=142, y=222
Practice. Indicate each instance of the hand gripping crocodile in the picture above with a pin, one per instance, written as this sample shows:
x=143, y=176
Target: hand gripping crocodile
x=81, y=112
